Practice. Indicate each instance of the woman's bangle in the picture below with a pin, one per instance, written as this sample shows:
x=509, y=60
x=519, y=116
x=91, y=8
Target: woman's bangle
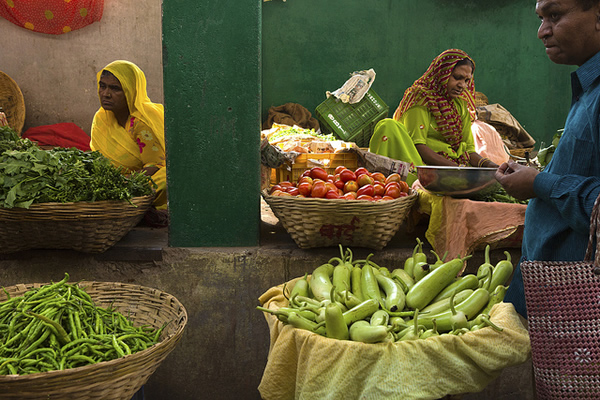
x=482, y=161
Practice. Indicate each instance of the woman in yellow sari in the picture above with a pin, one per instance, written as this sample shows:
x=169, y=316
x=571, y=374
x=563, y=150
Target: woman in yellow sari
x=432, y=124
x=128, y=128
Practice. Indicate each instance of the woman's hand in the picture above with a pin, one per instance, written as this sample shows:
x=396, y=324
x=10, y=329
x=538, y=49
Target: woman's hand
x=476, y=160
x=517, y=179
x=149, y=171
x=430, y=157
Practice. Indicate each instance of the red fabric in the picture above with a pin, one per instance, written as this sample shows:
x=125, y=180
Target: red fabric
x=64, y=134
x=52, y=16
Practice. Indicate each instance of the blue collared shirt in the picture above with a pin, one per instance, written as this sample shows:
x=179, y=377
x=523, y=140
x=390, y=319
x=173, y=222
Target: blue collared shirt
x=557, y=221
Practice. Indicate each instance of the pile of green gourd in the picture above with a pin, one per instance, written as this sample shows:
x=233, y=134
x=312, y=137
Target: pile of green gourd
x=357, y=300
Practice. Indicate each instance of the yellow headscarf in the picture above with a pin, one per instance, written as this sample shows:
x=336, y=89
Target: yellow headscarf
x=108, y=136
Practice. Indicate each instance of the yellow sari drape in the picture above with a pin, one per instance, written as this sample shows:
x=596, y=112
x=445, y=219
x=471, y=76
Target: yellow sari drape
x=119, y=144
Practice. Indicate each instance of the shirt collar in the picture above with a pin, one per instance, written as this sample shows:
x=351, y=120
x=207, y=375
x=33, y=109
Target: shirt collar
x=585, y=75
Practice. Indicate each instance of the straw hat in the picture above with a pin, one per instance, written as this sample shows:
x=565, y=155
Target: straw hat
x=12, y=102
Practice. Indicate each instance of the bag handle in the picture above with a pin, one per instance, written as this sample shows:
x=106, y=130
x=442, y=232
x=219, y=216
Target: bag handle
x=594, y=237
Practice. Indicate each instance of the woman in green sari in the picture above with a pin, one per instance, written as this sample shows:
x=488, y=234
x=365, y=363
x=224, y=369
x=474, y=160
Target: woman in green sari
x=432, y=124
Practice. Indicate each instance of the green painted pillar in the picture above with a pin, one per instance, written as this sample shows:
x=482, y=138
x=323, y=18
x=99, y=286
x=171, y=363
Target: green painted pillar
x=211, y=62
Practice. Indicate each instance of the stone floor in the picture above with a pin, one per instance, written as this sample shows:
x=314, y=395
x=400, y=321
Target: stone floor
x=145, y=243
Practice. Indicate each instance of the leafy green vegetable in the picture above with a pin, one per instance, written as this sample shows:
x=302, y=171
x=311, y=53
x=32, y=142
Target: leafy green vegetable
x=500, y=195
x=29, y=174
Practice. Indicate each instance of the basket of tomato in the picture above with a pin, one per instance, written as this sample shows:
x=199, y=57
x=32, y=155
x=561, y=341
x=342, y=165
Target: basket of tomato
x=352, y=207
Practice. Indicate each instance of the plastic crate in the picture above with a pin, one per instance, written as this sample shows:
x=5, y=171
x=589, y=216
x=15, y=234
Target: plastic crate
x=328, y=161
x=352, y=122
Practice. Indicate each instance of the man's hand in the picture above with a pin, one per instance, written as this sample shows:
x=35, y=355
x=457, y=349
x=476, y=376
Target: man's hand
x=517, y=179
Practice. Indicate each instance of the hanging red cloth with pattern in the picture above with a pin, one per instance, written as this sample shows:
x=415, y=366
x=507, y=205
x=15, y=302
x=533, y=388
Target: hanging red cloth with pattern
x=52, y=16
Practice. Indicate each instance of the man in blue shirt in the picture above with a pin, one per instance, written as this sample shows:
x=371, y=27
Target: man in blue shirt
x=562, y=196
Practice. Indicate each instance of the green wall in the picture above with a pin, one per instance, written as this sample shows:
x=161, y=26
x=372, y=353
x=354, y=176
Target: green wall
x=211, y=61
x=215, y=57
x=310, y=46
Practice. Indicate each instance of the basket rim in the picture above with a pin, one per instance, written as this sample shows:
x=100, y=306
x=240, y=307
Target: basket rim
x=99, y=203
x=317, y=200
x=168, y=341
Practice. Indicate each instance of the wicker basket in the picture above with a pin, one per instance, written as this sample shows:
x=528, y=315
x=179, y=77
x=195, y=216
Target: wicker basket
x=117, y=379
x=12, y=102
x=315, y=222
x=90, y=227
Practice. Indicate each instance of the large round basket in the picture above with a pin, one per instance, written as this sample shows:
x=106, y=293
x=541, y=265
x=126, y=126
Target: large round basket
x=90, y=227
x=313, y=222
x=12, y=102
x=117, y=379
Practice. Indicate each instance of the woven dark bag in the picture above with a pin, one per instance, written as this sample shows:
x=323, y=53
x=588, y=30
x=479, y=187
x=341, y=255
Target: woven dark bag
x=563, y=309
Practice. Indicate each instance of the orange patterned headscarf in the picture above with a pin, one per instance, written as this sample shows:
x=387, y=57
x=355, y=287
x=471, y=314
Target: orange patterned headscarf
x=430, y=91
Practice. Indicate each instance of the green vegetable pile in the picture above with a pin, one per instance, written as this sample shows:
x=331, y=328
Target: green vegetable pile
x=57, y=326
x=29, y=174
x=500, y=195
x=545, y=154
x=357, y=300
x=297, y=131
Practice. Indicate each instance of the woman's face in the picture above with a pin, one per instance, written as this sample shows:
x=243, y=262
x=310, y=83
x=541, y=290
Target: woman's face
x=112, y=96
x=459, y=80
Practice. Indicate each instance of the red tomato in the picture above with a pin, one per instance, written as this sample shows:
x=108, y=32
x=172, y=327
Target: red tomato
x=379, y=189
x=368, y=190
x=306, y=173
x=395, y=184
x=305, y=178
x=331, y=186
x=393, y=191
x=385, y=198
x=393, y=178
x=378, y=177
x=350, y=186
x=338, y=183
x=377, y=198
x=364, y=179
x=365, y=197
x=361, y=170
x=404, y=186
x=304, y=188
x=285, y=184
x=274, y=188
x=319, y=189
x=293, y=191
x=339, y=169
x=350, y=195
x=332, y=194
x=403, y=194
x=347, y=175
x=318, y=173
x=282, y=194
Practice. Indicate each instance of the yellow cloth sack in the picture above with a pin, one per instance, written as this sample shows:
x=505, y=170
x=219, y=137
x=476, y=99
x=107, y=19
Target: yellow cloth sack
x=305, y=365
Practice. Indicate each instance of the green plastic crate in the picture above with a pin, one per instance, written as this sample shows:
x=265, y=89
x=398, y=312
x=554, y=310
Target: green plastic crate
x=352, y=122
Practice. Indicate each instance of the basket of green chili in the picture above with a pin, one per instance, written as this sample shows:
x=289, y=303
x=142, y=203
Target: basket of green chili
x=90, y=340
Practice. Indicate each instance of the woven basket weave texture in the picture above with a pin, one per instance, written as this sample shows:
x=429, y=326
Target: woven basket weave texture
x=90, y=227
x=117, y=379
x=12, y=102
x=563, y=311
x=313, y=222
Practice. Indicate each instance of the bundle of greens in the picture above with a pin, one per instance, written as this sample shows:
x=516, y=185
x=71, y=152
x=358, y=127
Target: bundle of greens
x=29, y=174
